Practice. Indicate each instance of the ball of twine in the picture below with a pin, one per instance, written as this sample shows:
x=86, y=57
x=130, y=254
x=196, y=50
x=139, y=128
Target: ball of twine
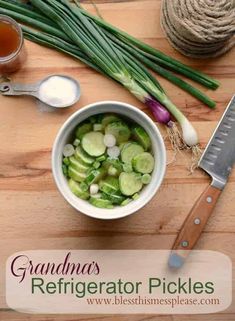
x=199, y=28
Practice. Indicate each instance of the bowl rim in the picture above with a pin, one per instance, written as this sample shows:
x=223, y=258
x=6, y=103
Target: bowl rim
x=65, y=126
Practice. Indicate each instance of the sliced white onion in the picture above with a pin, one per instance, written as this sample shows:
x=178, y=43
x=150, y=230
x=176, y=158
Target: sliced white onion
x=112, y=171
x=94, y=188
x=68, y=150
x=113, y=152
x=109, y=140
x=97, y=127
x=98, y=195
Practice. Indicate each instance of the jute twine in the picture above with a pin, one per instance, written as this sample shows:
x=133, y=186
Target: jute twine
x=199, y=28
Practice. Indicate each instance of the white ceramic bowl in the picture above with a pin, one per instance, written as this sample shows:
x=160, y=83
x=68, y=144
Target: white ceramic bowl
x=65, y=135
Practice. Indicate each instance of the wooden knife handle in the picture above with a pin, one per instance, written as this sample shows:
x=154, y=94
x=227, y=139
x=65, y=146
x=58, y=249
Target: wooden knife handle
x=197, y=219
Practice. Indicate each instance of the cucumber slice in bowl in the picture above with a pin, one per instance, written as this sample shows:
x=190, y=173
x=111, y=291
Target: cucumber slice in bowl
x=76, y=190
x=143, y=163
x=101, y=203
x=129, y=151
x=93, y=144
x=146, y=179
x=142, y=137
x=116, y=198
x=109, y=118
x=75, y=174
x=109, y=185
x=130, y=183
x=82, y=129
x=119, y=130
x=79, y=166
x=80, y=155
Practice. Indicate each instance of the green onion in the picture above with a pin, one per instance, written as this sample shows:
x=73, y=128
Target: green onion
x=153, y=53
x=77, y=34
x=22, y=11
x=164, y=73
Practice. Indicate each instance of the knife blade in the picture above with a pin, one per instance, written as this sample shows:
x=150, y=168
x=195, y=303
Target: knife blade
x=219, y=155
x=217, y=161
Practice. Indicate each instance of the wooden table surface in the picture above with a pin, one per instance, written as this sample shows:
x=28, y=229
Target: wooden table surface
x=33, y=213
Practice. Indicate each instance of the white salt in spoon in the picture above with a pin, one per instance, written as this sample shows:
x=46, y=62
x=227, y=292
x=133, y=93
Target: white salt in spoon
x=57, y=91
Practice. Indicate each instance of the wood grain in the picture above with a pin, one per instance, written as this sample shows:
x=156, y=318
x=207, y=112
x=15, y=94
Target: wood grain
x=33, y=213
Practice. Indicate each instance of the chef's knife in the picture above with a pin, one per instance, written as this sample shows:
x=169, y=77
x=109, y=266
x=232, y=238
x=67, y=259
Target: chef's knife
x=217, y=161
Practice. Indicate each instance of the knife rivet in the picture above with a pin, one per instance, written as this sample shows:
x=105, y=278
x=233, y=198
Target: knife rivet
x=5, y=88
x=209, y=199
x=197, y=221
x=184, y=243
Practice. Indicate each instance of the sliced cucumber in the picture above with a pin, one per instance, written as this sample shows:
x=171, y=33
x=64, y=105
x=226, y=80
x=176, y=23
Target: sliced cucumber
x=114, y=198
x=105, y=166
x=130, y=151
x=119, y=130
x=93, y=144
x=101, y=203
x=83, y=129
x=84, y=187
x=127, y=167
x=122, y=145
x=114, y=163
x=142, y=137
x=79, y=166
x=143, y=163
x=109, y=185
x=146, y=179
x=76, y=190
x=110, y=118
x=94, y=176
x=76, y=175
x=130, y=183
x=83, y=157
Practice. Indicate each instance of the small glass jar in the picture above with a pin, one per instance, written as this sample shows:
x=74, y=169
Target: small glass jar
x=13, y=60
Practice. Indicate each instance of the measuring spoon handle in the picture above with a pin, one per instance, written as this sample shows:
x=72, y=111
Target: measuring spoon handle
x=14, y=89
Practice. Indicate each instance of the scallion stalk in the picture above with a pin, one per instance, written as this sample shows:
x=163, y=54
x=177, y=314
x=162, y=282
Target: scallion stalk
x=164, y=73
x=21, y=11
x=160, y=113
x=117, y=69
x=99, y=52
x=156, y=55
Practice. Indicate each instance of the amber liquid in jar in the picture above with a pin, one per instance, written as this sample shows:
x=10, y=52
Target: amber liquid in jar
x=9, y=39
x=11, y=45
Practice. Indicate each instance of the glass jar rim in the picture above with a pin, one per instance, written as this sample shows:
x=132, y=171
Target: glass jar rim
x=20, y=32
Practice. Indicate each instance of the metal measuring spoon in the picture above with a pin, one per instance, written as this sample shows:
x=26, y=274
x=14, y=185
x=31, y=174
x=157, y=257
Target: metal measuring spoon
x=15, y=89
